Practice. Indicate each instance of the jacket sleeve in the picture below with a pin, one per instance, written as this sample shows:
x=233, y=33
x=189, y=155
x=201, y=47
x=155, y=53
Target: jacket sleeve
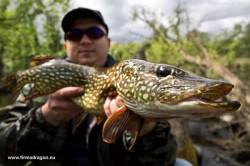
x=156, y=148
x=19, y=126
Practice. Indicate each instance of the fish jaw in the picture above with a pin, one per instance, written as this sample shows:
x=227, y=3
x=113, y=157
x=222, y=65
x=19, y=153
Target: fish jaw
x=194, y=109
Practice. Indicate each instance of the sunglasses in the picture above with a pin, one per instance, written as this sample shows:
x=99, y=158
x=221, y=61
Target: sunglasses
x=77, y=34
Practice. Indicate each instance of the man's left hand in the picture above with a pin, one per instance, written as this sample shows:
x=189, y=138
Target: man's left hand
x=111, y=106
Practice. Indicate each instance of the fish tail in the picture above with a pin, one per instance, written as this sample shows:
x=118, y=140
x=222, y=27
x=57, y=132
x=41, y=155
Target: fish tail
x=9, y=84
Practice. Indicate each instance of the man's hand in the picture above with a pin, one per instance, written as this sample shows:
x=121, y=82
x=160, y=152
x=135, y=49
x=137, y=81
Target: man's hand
x=60, y=108
x=112, y=104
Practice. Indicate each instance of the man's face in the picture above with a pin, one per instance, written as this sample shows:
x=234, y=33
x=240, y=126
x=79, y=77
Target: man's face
x=87, y=51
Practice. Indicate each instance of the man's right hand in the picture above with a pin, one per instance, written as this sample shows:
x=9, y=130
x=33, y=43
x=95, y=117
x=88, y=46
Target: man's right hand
x=60, y=108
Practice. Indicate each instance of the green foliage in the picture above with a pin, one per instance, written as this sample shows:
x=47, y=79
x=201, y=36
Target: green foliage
x=227, y=45
x=161, y=52
x=124, y=51
x=28, y=28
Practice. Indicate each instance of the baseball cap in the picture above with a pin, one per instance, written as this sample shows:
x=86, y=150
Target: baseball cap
x=79, y=13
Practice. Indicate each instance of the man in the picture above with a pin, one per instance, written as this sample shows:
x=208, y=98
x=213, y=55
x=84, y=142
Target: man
x=43, y=127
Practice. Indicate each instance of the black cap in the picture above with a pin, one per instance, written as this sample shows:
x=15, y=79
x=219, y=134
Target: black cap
x=79, y=13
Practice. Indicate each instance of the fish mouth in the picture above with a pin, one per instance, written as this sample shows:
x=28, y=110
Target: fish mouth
x=205, y=109
x=215, y=91
x=214, y=94
x=208, y=101
x=221, y=103
x=195, y=108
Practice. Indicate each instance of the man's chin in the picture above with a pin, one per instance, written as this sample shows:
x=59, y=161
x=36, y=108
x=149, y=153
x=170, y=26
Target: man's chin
x=87, y=61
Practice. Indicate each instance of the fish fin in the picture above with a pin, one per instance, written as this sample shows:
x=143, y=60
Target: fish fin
x=40, y=59
x=32, y=94
x=79, y=120
x=9, y=83
x=115, y=124
x=132, y=131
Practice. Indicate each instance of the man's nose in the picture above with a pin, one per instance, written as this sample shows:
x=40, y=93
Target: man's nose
x=85, y=39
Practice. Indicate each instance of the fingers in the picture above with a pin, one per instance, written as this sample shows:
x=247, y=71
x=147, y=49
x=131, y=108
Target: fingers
x=60, y=108
x=69, y=92
x=107, y=106
x=111, y=105
x=61, y=98
x=116, y=103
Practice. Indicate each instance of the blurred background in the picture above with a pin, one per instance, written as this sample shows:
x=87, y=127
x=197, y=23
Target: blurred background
x=209, y=38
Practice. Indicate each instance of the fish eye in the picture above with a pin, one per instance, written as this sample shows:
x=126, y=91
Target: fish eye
x=163, y=71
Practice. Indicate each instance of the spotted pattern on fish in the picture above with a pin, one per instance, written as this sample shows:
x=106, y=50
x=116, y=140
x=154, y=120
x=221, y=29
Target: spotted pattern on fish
x=148, y=89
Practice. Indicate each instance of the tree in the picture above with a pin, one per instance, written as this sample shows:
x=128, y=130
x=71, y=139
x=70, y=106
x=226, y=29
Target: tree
x=27, y=28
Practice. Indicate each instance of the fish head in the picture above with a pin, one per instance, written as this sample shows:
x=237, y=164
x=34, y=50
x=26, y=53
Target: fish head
x=165, y=91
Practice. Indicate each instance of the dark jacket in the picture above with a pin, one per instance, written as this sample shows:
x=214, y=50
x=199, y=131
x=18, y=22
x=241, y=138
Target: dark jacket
x=24, y=134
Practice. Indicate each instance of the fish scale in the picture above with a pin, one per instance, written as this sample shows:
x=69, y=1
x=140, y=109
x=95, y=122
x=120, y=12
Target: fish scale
x=136, y=81
x=148, y=90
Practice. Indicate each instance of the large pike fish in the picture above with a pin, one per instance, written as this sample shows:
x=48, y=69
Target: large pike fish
x=148, y=90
